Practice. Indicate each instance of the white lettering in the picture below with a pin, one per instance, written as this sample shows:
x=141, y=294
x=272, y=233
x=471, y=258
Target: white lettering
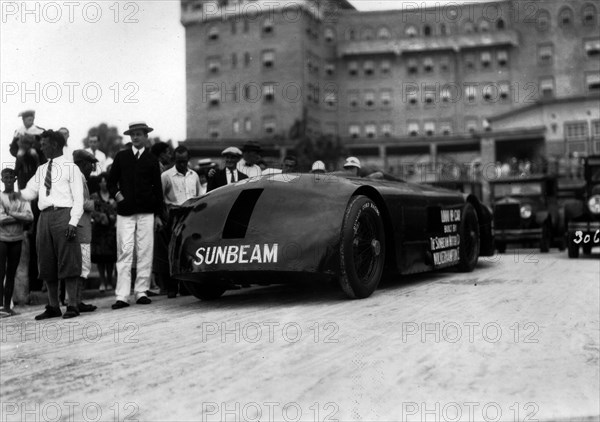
x=445, y=257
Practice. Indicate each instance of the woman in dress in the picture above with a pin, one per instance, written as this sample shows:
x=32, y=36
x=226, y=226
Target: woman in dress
x=104, y=234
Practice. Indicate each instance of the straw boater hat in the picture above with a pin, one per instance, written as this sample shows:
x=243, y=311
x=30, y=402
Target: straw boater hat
x=232, y=151
x=352, y=162
x=318, y=166
x=138, y=126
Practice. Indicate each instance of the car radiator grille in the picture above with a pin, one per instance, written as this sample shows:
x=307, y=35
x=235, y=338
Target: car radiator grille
x=507, y=216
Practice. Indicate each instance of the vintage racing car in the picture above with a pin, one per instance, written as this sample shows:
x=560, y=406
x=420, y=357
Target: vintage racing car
x=290, y=227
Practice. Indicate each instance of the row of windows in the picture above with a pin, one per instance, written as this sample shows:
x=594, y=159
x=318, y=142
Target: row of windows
x=413, y=128
x=244, y=125
x=579, y=130
x=589, y=17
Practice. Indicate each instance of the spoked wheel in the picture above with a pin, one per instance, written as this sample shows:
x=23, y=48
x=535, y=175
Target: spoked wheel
x=362, y=248
x=205, y=291
x=469, y=239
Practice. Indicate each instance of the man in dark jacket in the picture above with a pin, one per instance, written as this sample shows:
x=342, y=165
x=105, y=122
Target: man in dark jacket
x=228, y=175
x=134, y=181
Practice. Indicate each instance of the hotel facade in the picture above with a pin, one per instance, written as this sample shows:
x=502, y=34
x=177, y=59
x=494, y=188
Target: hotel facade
x=427, y=83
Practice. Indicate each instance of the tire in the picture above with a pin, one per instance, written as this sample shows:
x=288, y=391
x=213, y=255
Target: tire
x=501, y=246
x=545, y=238
x=469, y=239
x=573, y=248
x=204, y=291
x=587, y=249
x=362, y=248
x=562, y=243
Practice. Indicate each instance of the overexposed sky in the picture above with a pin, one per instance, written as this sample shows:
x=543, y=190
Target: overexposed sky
x=81, y=63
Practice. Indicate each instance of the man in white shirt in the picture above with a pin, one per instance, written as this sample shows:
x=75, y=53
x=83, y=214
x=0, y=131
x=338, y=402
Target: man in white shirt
x=94, y=142
x=58, y=186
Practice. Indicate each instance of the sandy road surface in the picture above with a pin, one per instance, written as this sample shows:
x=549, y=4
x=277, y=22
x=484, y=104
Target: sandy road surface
x=517, y=338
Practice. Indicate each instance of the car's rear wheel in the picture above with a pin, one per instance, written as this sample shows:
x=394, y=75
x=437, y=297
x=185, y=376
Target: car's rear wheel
x=469, y=239
x=205, y=291
x=545, y=239
x=362, y=248
x=572, y=246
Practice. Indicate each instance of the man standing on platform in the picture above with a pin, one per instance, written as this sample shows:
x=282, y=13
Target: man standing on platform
x=135, y=183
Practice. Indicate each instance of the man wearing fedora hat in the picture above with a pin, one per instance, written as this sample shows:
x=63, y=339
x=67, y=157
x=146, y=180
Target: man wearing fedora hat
x=228, y=175
x=134, y=181
x=249, y=163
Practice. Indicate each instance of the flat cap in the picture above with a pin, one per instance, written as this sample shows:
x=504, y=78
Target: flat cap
x=232, y=151
x=83, y=155
x=352, y=162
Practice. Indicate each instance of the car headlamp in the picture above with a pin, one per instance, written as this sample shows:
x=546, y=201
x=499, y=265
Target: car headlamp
x=525, y=211
x=594, y=204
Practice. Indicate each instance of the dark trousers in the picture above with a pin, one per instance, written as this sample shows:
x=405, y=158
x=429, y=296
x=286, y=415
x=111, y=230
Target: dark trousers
x=10, y=254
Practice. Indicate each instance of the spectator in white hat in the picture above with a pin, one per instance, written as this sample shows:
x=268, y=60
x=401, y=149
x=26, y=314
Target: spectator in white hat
x=228, y=175
x=352, y=166
x=318, y=167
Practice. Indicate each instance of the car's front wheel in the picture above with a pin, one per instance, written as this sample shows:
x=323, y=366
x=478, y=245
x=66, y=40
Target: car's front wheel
x=205, y=291
x=545, y=239
x=362, y=248
x=469, y=239
x=572, y=247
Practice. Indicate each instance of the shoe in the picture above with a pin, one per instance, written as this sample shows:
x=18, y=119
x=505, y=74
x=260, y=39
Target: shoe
x=4, y=312
x=119, y=304
x=50, y=312
x=151, y=293
x=72, y=312
x=85, y=307
x=144, y=300
x=171, y=294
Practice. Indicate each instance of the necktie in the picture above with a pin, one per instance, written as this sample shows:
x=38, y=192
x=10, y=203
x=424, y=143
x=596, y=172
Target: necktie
x=233, y=176
x=48, y=180
x=137, y=155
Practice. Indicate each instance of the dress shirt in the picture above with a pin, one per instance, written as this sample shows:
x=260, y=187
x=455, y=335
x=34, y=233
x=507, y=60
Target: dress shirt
x=178, y=188
x=101, y=164
x=141, y=151
x=32, y=130
x=250, y=171
x=66, y=190
x=229, y=174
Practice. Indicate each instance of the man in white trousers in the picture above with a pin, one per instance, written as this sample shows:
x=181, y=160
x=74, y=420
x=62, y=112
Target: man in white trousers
x=135, y=183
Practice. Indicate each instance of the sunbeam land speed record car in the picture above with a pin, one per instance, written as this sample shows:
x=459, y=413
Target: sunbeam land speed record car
x=289, y=227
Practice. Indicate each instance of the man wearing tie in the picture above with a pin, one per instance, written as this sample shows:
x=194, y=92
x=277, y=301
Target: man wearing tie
x=134, y=182
x=228, y=175
x=58, y=186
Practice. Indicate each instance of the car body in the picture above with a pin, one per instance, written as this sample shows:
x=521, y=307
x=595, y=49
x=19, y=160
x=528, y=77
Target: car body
x=290, y=227
x=583, y=229
x=526, y=209
x=467, y=186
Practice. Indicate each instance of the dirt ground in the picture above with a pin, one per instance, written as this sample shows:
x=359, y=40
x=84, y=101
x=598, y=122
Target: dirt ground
x=516, y=340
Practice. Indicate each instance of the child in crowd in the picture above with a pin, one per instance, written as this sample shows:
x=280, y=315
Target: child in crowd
x=14, y=213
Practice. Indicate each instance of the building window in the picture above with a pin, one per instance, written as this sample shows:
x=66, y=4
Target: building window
x=596, y=130
x=470, y=93
x=484, y=26
x=367, y=34
x=430, y=128
x=386, y=67
x=428, y=64
x=213, y=65
x=370, y=130
x=490, y=92
x=213, y=130
x=267, y=27
x=504, y=90
x=411, y=31
x=486, y=59
x=269, y=125
x=429, y=94
x=470, y=125
x=468, y=27
x=248, y=124
x=576, y=131
x=214, y=98
x=469, y=61
x=427, y=31
x=547, y=87
x=329, y=35
x=353, y=100
x=354, y=131
x=247, y=59
x=589, y=14
x=502, y=57
x=500, y=24
x=386, y=98
x=369, y=67
x=330, y=69
x=236, y=126
x=384, y=33
x=331, y=99
x=269, y=92
x=233, y=27
x=246, y=25
x=445, y=94
x=233, y=60
x=443, y=29
x=592, y=81
x=412, y=97
x=331, y=128
x=386, y=129
x=369, y=99
x=350, y=34
x=213, y=33
x=353, y=68
x=565, y=16
x=444, y=64
x=268, y=59
x=413, y=128
x=413, y=66
x=545, y=54
x=592, y=47
x=543, y=20
x=446, y=128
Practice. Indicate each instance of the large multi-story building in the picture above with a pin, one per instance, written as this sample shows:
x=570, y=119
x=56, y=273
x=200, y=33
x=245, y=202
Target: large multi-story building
x=445, y=82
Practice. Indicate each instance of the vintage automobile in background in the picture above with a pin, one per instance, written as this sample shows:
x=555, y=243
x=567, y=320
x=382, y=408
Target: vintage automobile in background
x=526, y=210
x=584, y=218
x=287, y=228
x=463, y=185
